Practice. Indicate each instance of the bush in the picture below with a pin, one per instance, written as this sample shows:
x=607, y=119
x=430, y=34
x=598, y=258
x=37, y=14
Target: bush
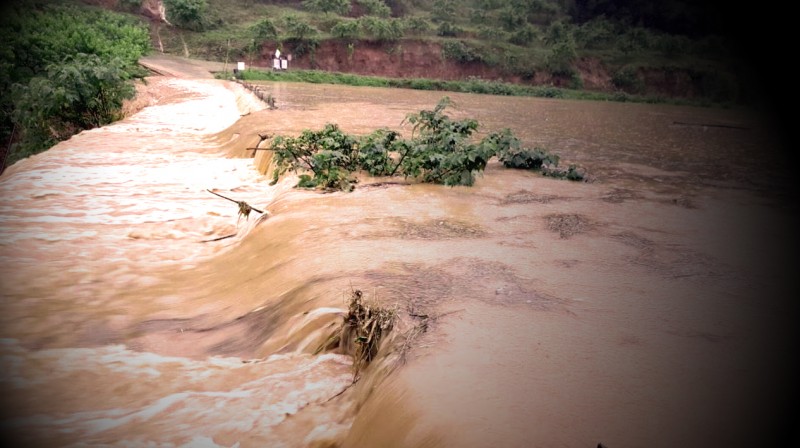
x=63, y=68
x=447, y=29
x=416, y=25
x=459, y=51
x=443, y=10
x=376, y=8
x=558, y=33
x=627, y=79
x=597, y=33
x=189, y=14
x=329, y=154
x=298, y=29
x=82, y=92
x=491, y=33
x=514, y=155
x=384, y=30
x=265, y=29
x=524, y=36
x=340, y=7
x=374, y=152
x=634, y=40
x=441, y=150
x=346, y=29
x=559, y=60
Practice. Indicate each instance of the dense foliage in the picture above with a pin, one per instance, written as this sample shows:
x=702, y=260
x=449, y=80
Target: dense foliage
x=63, y=68
x=189, y=14
x=441, y=150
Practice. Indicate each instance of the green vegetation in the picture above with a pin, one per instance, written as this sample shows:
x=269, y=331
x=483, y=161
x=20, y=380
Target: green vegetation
x=67, y=66
x=189, y=14
x=441, y=151
x=541, y=42
x=471, y=85
x=63, y=68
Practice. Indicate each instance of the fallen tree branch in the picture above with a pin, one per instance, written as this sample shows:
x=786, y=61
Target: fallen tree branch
x=219, y=238
x=244, y=207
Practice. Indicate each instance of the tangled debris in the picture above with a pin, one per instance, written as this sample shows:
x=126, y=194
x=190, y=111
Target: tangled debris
x=363, y=328
x=367, y=325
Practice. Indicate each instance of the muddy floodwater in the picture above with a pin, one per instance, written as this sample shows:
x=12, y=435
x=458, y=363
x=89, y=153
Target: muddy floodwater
x=648, y=307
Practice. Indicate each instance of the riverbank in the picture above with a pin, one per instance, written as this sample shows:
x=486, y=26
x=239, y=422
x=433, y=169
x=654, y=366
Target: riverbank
x=475, y=85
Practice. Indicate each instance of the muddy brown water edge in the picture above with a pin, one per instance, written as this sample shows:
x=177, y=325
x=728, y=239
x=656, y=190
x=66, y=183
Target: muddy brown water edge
x=650, y=307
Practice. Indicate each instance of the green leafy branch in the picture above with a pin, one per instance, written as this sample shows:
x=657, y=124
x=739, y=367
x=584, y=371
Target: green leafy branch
x=441, y=150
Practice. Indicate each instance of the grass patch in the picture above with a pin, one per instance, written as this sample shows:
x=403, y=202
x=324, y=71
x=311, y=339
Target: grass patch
x=472, y=85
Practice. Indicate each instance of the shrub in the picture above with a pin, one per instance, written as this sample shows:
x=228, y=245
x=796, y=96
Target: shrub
x=189, y=14
x=459, y=51
x=443, y=10
x=63, y=68
x=627, y=79
x=416, y=25
x=524, y=36
x=374, y=152
x=381, y=29
x=447, y=29
x=510, y=19
x=329, y=154
x=597, y=33
x=634, y=40
x=340, y=7
x=441, y=150
x=514, y=155
x=79, y=93
x=376, y=8
x=265, y=29
x=559, y=60
x=346, y=29
x=558, y=33
x=491, y=33
x=295, y=28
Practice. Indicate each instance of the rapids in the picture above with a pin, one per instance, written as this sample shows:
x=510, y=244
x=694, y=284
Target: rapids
x=646, y=308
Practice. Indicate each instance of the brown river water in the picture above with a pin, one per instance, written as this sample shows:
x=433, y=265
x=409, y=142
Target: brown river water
x=648, y=307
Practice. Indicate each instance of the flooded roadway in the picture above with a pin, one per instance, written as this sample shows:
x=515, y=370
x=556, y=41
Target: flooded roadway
x=647, y=308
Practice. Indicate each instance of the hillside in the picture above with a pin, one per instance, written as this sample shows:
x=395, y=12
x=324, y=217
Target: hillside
x=665, y=49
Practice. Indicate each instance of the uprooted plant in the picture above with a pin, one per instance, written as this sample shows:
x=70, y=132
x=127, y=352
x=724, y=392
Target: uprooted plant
x=441, y=150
